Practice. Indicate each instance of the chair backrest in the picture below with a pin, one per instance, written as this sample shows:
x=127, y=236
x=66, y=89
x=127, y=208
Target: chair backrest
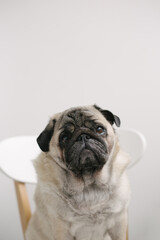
x=134, y=143
x=17, y=153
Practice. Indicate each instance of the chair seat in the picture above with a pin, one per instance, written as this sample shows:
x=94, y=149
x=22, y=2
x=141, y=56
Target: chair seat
x=17, y=153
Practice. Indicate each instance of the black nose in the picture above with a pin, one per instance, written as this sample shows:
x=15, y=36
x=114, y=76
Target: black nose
x=83, y=138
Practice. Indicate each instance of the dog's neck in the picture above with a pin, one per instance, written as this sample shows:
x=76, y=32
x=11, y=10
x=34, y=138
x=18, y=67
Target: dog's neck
x=73, y=186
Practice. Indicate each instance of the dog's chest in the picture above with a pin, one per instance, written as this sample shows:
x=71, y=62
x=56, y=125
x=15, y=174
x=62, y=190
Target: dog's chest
x=89, y=214
x=89, y=202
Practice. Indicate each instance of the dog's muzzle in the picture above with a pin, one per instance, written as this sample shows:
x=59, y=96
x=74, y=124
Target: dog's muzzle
x=86, y=154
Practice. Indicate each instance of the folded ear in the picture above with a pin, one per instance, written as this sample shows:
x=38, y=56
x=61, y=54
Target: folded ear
x=44, y=138
x=109, y=116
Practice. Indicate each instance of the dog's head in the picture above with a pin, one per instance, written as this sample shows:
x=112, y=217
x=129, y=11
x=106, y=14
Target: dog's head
x=80, y=139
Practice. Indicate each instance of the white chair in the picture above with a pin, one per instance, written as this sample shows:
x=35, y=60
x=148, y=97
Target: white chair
x=17, y=153
x=133, y=142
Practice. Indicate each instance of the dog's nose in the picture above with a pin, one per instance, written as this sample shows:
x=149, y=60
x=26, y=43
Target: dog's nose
x=83, y=137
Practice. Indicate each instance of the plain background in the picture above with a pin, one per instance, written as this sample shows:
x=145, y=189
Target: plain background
x=58, y=54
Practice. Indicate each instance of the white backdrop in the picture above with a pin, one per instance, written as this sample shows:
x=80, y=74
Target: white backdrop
x=57, y=54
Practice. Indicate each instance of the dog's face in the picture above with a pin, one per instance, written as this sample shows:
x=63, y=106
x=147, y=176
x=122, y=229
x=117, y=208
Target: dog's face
x=80, y=139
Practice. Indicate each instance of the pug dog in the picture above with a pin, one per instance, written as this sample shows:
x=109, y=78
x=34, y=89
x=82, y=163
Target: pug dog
x=82, y=191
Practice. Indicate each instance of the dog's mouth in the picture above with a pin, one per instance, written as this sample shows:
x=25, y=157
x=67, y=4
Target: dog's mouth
x=86, y=155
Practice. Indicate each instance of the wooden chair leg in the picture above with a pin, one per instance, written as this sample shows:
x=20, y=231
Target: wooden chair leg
x=23, y=204
x=127, y=234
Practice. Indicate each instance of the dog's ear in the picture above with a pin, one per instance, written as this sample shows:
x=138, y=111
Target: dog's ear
x=109, y=116
x=45, y=136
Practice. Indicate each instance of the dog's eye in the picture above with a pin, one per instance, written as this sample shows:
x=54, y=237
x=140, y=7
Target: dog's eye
x=64, y=137
x=100, y=130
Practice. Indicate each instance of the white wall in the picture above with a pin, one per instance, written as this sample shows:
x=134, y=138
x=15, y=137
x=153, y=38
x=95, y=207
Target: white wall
x=57, y=54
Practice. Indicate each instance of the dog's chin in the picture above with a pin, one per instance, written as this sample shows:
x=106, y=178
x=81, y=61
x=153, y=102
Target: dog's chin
x=86, y=164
